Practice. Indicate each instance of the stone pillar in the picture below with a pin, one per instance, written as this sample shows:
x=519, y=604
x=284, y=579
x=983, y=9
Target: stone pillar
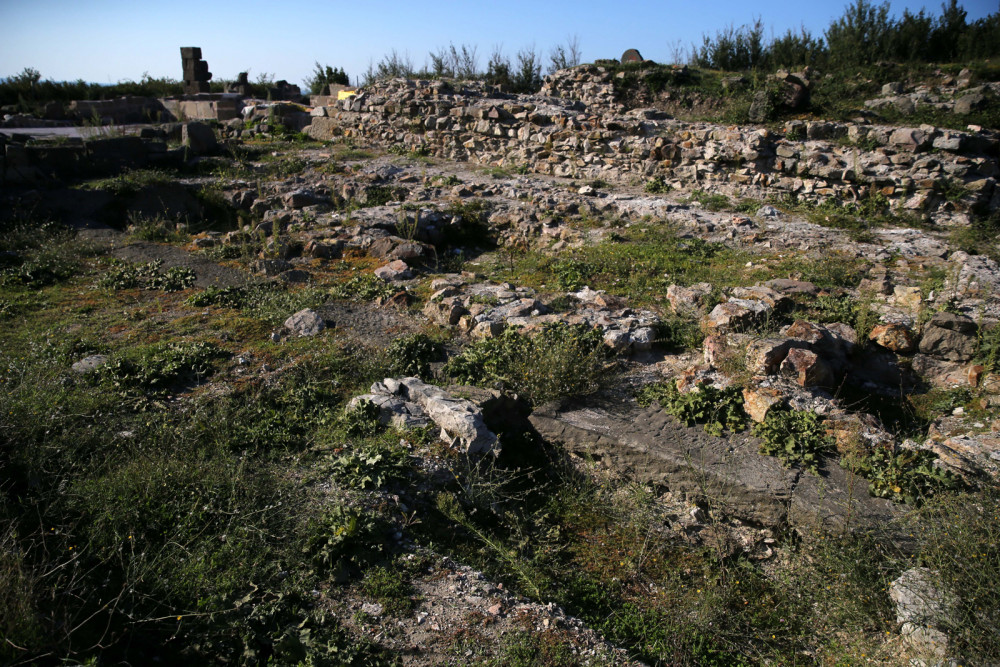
x=196, y=74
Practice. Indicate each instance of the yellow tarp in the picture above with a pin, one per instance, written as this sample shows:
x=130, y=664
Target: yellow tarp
x=344, y=94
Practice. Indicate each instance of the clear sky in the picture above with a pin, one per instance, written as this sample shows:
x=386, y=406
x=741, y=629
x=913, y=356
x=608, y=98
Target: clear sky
x=105, y=41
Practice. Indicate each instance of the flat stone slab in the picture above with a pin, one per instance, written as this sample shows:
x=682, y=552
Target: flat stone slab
x=651, y=446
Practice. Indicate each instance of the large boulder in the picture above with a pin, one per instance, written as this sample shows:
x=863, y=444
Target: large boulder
x=653, y=447
x=199, y=138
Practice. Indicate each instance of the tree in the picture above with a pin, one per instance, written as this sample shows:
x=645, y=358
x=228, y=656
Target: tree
x=528, y=77
x=498, y=68
x=862, y=35
x=562, y=57
x=324, y=76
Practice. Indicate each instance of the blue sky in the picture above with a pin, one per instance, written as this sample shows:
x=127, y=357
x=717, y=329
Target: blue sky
x=112, y=40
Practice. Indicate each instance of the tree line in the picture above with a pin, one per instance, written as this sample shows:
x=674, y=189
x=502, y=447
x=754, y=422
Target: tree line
x=865, y=34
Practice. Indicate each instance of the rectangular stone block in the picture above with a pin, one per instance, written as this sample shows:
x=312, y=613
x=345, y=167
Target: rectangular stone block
x=191, y=52
x=195, y=70
x=192, y=87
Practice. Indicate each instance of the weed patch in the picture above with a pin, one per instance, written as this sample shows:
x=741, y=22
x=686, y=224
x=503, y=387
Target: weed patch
x=559, y=361
x=797, y=437
x=125, y=275
x=411, y=355
x=156, y=369
x=718, y=410
x=904, y=476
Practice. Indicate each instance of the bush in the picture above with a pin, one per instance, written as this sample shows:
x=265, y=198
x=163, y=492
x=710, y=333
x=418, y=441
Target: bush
x=957, y=535
x=365, y=287
x=905, y=476
x=38, y=254
x=561, y=360
x=324, y=76
x=411, y=355
x=123, y=275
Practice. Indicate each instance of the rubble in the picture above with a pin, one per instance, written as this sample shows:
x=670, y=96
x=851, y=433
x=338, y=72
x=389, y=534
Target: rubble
x=410, y=402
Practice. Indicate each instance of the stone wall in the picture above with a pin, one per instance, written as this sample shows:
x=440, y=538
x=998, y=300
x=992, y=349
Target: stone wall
x=915, y=168
x=131, y=109
x=43, y=162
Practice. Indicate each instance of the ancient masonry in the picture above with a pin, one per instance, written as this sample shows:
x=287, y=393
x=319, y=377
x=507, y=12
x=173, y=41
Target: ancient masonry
x=575, y=127
x=196, y=74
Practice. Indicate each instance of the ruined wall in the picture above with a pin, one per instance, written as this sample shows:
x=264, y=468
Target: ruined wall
x=915, y=168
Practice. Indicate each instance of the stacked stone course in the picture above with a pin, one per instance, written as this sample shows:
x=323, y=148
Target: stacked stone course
x=588, y=138
x=196, y=74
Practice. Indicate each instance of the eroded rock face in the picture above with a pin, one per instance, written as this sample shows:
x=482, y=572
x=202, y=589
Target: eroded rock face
x=924, y=605
x=656, y=448
x=950, y=337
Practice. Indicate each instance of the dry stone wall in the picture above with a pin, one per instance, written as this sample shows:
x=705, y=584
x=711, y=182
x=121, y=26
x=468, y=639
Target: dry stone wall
x=922, y=169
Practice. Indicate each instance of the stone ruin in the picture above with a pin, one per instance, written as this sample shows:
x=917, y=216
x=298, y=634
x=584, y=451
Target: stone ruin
x=631, y=56
x=196, y=74
x=241, y=86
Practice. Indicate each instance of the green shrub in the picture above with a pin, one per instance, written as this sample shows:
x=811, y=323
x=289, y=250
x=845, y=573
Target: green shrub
x=363, y=420
x=342, y=541
x=657, y=185
x=957, y=535
x=710, y=202
x=559, y=361
x=675, y=333
x=797, y=437
x=38, y=254
x=124, y=275
x=368, y=466
x=156, y=230
x=411, y=355
x=364, y=287
x=380, y=195
x=229, y=297
x=389, y=587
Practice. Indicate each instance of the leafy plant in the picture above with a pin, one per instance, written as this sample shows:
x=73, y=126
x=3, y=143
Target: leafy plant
x=124, y=275
x=343, y=540
x=368, y=466
x=363, y=420
x=906, y=475
x=38, y=254
x=797, y=437
x=364, y=287
x=711, y=202
x=389, y=587
x=156, y=369
x=657, y=185
x=718, y=410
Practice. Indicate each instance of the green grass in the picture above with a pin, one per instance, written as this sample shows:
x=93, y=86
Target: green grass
x=638, y=262
x=140, y=530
